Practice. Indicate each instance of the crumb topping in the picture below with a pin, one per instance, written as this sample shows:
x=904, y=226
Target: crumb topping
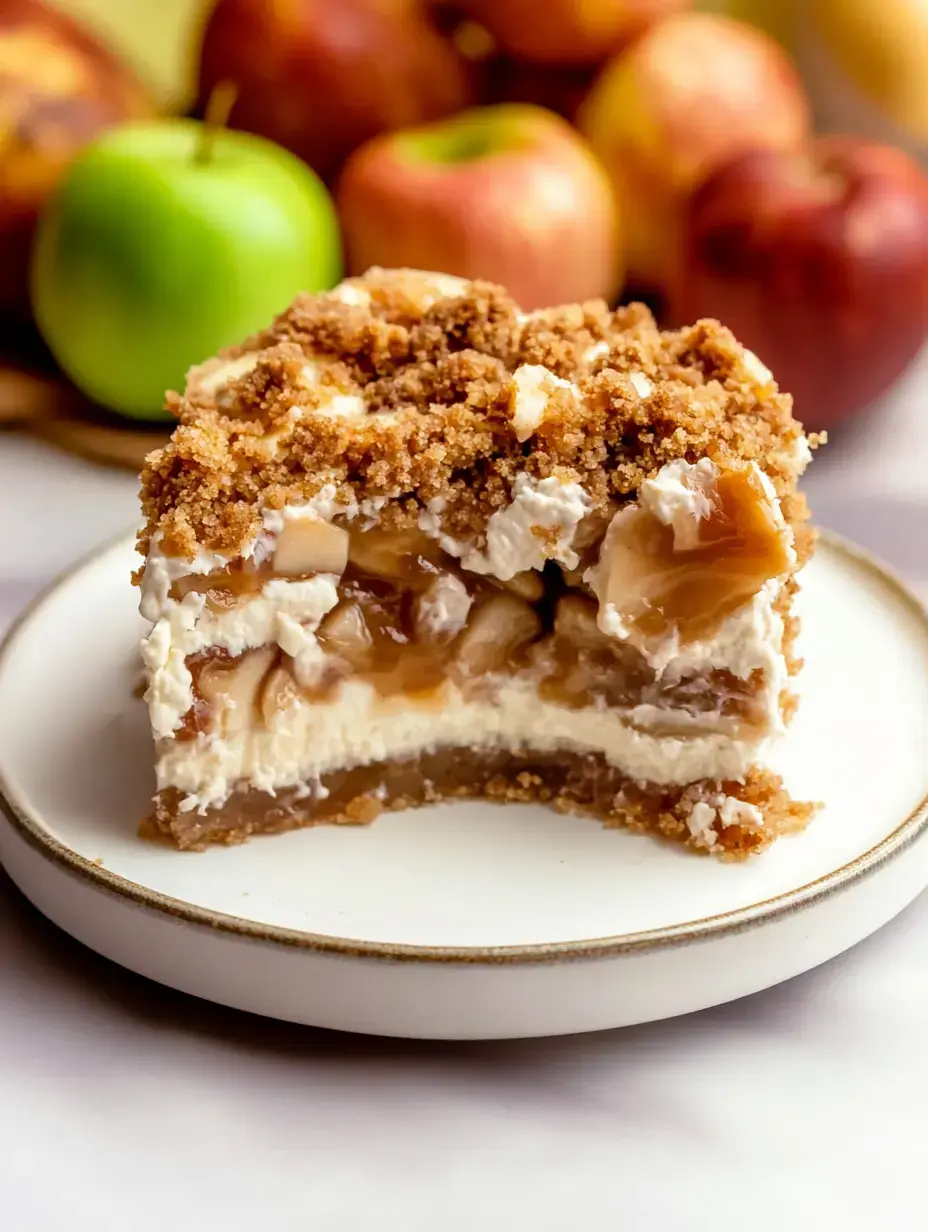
x=400, y=385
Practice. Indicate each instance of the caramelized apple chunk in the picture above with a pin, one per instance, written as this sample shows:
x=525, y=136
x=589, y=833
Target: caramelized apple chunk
x=223, y=589
x=527, y=585
x=495, y=631
x=280, y=690
x=699, y=543
x=306, y=546
x=575, y=622
x=230, y=687
x=345, y=633
x=408, y=556
x=590, y=531
x=440, y=611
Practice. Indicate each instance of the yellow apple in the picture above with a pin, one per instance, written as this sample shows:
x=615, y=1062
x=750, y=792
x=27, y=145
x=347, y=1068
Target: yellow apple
x=866, y=66
x=689, y=95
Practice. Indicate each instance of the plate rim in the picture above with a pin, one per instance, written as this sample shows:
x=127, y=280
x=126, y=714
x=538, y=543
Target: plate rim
x=28, y=826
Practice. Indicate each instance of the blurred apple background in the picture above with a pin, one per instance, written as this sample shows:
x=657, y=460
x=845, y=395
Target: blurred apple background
x=670, y=150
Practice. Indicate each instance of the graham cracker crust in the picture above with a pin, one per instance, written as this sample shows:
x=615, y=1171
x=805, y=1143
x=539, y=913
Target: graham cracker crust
x=582, y=783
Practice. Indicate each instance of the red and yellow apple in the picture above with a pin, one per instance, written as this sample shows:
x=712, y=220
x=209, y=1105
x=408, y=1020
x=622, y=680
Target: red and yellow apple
x=566, y=31
x=319, y=77
x=509, y=193
x=58, y=89
x=818, y=261
x=690, y=94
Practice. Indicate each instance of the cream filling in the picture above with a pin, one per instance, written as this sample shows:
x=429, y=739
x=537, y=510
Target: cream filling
x=749, y=640
x=357, y=728
x=532, y=387
x=161, y=572
x=538, y=524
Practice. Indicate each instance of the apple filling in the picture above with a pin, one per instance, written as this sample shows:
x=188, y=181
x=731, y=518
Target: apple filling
x=409, y=618
x=687, y=568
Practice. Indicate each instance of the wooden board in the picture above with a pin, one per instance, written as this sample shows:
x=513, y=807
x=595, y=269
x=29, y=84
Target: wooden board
x=44, y=403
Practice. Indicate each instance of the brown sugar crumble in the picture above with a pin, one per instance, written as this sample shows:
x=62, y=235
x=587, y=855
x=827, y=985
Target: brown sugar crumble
x=423, y=407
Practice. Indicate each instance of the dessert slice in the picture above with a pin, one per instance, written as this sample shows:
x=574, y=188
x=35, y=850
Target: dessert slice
x=410, y=543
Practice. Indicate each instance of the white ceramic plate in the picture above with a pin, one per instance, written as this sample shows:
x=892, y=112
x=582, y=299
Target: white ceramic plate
x=465, y=920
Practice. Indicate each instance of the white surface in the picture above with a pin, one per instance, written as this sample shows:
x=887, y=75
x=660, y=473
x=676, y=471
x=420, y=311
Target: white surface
x=413, y=880
x=798, y=1107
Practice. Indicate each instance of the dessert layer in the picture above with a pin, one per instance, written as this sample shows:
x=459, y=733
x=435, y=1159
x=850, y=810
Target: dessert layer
x=404, y=388
x=410, y=609
x=655, y=638
x=308, y=740
x=733, y=819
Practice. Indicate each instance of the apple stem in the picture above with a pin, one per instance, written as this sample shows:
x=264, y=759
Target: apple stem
x=215, y=118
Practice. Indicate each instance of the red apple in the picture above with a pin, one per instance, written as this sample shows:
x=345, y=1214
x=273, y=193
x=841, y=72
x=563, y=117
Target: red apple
x=689, y=95
x=818, y=261
x=509, y=193
x=566, y=31
x=58, y=89
x=321, y=76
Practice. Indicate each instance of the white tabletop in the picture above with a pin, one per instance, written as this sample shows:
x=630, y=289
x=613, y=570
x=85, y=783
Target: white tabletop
x=125, y=1106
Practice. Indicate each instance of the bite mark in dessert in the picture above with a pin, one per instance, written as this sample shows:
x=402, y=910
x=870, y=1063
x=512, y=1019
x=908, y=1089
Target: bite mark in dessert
x=410, y=544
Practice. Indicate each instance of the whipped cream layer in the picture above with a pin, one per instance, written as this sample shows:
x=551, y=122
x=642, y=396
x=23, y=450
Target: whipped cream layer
x=358, y=727
x=538, y=524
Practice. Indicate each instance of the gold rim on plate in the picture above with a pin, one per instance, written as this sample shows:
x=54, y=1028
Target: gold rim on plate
x=30, y=828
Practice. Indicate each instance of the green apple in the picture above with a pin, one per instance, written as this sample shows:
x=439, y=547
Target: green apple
x=167, y=241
